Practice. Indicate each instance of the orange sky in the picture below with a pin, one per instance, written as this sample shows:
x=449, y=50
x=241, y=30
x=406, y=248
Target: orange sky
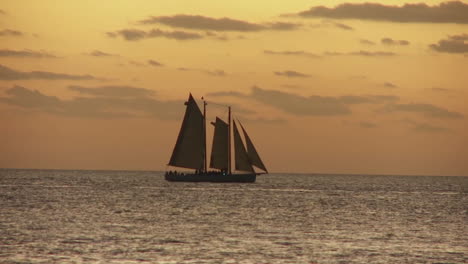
x=348, y=87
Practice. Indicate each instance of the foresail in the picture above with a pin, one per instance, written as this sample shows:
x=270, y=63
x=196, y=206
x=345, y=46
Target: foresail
x=241, y=158
x=219, y=151
x=189, y=149
x=252, y=152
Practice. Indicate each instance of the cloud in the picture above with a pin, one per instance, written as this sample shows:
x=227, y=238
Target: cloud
x=439, y=89
x=7, y=73
x=308, y=106
x=215, y=24
x=228, y=93
x=282, y=26
x=389, y=85
x=446, y=12
x=329, y=23
x=101, y=102
x=260, y=120
x=372, y=53
x=291, y=86
x=98, y=53
x=367, y=99
x=343, y=26
x=427, y=110
x=292, y=103
x=10, y=32
x=112, y=91
x=392, y=42
x=364, y=124
x=425, y=127
x=453, y=44
x=366, y=42
x=137, y=34
x=25, y=54
x=218, y=73
x=362, y=53
x=136, y=63
x=154, y=63
x=300, y=105
x=292, y=74
x=299, y=53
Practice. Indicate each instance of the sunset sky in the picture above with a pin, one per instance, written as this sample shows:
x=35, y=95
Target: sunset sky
x=321, y=86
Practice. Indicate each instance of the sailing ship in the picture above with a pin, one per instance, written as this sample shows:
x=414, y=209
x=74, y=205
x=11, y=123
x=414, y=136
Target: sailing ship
x=190, y=150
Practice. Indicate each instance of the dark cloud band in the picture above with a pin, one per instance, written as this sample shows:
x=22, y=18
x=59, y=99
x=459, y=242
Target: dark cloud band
x=453, y=44
x=100, y=102
x=216, y=24
x=447, y=12
x=137, y=34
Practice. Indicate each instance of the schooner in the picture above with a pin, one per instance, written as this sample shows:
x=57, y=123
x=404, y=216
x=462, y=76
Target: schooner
x=190, y=150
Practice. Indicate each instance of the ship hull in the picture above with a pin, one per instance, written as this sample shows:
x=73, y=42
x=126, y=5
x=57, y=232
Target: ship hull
x=210, y=177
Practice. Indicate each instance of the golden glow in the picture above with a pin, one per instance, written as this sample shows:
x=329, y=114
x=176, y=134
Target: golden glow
x=365, y=141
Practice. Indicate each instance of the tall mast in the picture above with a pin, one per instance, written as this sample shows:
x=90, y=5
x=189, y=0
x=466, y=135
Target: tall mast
x=229, y=140
x=204, y=136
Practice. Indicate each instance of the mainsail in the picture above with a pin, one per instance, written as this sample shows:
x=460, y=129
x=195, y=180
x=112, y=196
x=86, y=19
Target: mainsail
x=189, y=150
x=252, y=152
x=242, y=160
x=219, y=151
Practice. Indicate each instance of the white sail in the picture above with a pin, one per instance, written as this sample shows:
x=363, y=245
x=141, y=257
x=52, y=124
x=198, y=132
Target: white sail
x=252, y=152
x=189, y=150
x=242, y=160
x=219, y=150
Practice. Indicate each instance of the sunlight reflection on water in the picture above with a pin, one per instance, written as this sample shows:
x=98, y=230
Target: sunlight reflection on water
x=129, y=217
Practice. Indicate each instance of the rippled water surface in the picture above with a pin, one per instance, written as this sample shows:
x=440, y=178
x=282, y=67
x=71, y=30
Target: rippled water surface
x=52, y=216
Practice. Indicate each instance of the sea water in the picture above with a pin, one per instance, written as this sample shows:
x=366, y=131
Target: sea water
x=55, y=216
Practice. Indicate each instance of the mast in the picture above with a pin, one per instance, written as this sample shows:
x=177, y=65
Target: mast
x=229, y=140
x=204, y=136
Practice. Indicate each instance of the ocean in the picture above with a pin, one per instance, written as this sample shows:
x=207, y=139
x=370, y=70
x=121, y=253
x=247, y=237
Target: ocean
x=75, y=216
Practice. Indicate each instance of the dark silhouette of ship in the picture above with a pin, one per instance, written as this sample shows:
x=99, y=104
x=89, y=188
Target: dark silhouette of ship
x=190, y=150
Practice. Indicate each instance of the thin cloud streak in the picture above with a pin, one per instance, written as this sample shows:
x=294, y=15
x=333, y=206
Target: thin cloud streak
x=25, y=54
x=425, y=127
x=365, y=124
x=328, y=23
x=389, y=85
x=216, y=73
x=427, y=110
x=112, y=91
x=363, y=53
x=10, y=32
x=292, y=74
x=8, y=74
x=299, y=53
x=98, y=53
x=393, y=42
x=137, y=34
x=155, y=63
x=366, y=42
